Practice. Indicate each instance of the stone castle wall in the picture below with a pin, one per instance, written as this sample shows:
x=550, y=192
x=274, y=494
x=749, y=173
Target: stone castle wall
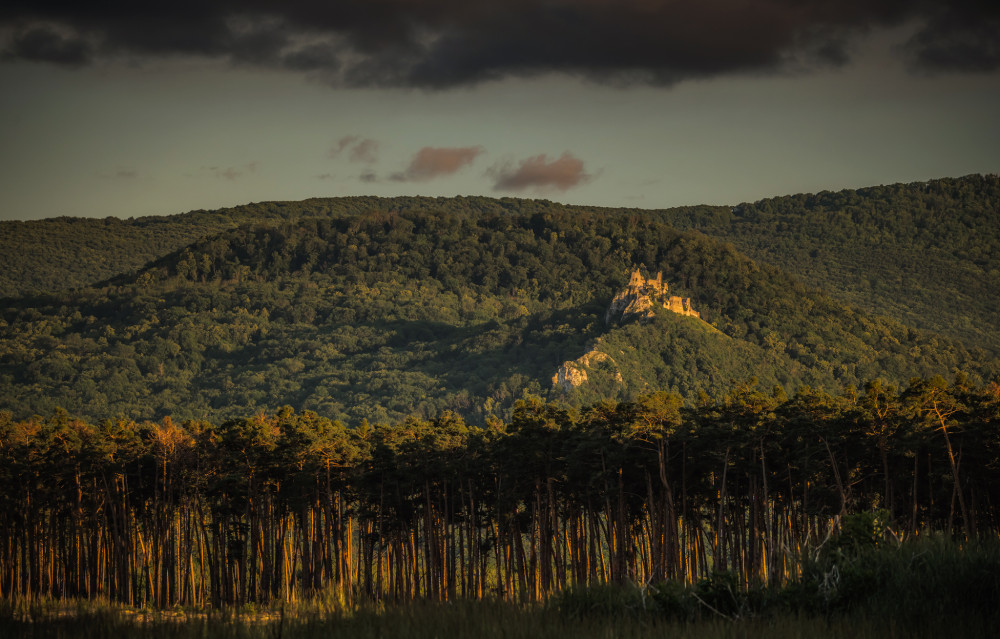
x=642, y=295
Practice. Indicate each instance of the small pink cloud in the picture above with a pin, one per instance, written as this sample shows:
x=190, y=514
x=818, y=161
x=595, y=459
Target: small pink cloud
x=430, y=162
x=540, y=174
x=365, y=151
x=358, y=149
x=342, y=144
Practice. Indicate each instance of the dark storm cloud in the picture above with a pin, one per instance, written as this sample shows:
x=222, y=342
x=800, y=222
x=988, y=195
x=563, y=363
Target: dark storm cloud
x=442, y=43
x=959, y=39
x=42, y=43
x=539, y=174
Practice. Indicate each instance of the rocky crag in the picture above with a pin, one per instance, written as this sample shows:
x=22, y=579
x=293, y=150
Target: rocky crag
x=639, y=299
x=573, y=373
x=642, y=295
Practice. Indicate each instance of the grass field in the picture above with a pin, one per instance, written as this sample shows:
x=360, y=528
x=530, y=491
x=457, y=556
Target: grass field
x=472, y=619
x=927, y=588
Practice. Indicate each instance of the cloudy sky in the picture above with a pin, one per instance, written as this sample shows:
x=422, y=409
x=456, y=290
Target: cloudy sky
x=138, y=108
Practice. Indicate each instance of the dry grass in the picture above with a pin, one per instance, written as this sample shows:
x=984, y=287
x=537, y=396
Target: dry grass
x=931, y=588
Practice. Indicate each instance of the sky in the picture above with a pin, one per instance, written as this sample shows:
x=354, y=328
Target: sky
x=130, y=109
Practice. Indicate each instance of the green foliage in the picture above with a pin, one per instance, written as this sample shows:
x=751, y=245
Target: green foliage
x=924, y=253
x=430, y=305
x=602, y=600
x=43, y=256
x=860, y=532
x=820, y=458
x=921, y=587
x=916, y=582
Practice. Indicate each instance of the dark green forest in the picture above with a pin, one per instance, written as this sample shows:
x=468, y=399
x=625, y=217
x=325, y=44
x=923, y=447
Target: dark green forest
x=385, y=314
x=926, y=253
x=55, y=254
x=281, y=505
x=923, y=253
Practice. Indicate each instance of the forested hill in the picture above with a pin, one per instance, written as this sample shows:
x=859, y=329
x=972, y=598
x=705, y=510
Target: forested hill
x=927, y=253
x=384, y=314
x=55, y=254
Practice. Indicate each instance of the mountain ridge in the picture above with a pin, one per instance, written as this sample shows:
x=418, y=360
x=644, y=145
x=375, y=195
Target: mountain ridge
x=380, y=315
x=926, y=253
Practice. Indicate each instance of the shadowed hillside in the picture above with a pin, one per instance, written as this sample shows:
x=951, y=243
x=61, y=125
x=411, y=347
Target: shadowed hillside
x=925, y=254
x=386, y=314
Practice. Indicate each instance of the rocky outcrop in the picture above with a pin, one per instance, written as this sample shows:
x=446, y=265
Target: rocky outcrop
x=569, y=376
x=641, y=296
x=573, y=373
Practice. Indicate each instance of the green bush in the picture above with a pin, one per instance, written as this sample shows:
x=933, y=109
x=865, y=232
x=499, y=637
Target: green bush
x=919, y=585
x=602, y=600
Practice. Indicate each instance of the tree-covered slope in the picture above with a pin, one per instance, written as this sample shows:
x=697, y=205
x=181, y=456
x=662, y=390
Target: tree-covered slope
x=384, y=314
x=56, y=254
x=926, y=254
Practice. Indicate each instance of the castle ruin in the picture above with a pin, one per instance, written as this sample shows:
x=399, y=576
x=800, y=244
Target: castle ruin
x=642, y=295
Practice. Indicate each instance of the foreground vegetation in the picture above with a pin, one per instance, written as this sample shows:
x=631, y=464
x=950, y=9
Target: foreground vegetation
x=278, y=507
x=858, y=584
x=481, y=620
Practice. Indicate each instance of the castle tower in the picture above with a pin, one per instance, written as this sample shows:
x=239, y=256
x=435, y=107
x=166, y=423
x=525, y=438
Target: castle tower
x=641, y=295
